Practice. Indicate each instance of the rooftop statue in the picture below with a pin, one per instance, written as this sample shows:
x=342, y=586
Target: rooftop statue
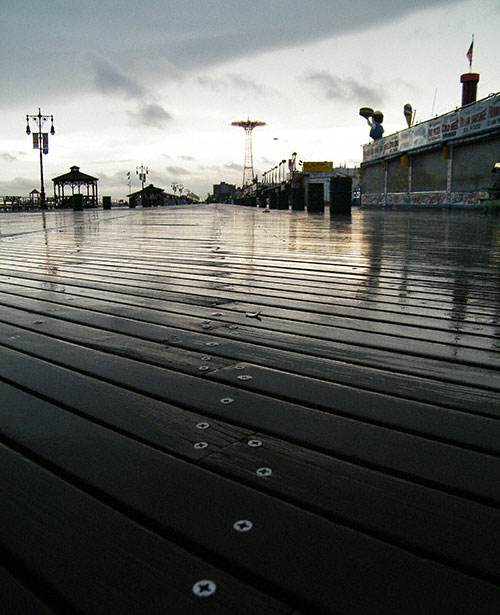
x=374, y=119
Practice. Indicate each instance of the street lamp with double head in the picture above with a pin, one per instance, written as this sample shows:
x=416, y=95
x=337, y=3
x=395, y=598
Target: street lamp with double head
x=40, y=142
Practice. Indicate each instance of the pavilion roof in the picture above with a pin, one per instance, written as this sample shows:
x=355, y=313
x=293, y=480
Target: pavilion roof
x=148, y=190
x=74, y=176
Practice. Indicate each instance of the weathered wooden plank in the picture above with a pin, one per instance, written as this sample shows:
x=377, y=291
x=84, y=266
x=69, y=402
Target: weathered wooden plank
x=347, y=315
x=431, y=523
x=479, y=370
x=452, y=395
x=439, y=286
x=479, y=433
x=317, y=563
x=150, y=420
x=91, y=559
x=430, y=421
x=274, y=261
x=17, y=599
x=154, y=352
x=447, y=467
x=297, y=284
x=283, y=320
x=156, y=423
x=195, y=294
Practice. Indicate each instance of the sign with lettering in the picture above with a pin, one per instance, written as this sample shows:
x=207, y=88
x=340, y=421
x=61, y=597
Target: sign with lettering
x=472, y=119
x=311, y=167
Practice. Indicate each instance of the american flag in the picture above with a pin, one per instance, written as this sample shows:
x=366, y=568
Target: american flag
x=469, y=53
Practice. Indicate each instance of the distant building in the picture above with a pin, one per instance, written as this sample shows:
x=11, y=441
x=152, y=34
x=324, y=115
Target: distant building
x=223, y=191
x=191, y=197
x=322, y=173
x=149, y=196
x=152, y=196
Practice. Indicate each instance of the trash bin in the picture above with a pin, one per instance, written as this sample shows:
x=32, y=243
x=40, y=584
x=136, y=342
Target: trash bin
x=273, y=199
x=77, y=202
x=316, y=197
x=106, y=202
x=340, y=195
x=283, y=199
x=297, y=198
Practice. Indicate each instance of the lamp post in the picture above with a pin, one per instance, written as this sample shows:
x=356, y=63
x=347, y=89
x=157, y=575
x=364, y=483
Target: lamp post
x=293, y=162
x=142, y=172
x=176, y=187
x=40, y=142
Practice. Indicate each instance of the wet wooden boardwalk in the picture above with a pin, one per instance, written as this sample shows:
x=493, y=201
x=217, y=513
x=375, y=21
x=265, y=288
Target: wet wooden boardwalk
x=214, y=409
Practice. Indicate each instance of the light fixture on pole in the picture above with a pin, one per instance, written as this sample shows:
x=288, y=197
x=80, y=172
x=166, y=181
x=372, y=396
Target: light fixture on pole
x=40, y=142
x=142, y=172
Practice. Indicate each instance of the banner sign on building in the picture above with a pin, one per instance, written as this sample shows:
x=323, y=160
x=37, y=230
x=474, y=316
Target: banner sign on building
x=315, y=167
x=472, y=119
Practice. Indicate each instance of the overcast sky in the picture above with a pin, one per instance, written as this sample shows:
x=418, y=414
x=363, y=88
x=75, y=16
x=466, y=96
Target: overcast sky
x=158, y=83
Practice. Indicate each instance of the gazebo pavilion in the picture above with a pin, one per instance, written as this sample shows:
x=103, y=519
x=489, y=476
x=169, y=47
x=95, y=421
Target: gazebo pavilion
x=75, y=179
x=35, y=197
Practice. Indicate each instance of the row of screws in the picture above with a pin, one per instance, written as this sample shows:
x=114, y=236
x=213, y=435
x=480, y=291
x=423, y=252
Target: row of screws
x=251, y=443
x=206, y=587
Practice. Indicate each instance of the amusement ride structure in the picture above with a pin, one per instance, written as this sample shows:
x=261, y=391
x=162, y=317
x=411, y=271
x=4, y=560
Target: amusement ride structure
x=248, y=126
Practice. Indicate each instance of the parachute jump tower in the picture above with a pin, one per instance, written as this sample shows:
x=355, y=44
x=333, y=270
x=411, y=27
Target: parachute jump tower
x=248, y=126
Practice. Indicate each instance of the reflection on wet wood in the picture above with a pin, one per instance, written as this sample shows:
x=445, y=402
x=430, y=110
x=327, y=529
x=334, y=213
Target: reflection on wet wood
x=209, y=410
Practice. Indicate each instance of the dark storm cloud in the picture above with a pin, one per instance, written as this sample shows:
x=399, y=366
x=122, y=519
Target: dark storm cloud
x=333, y=87
x=208, y=33
x=110, y=79
x=154, y=40
x=151, y=114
